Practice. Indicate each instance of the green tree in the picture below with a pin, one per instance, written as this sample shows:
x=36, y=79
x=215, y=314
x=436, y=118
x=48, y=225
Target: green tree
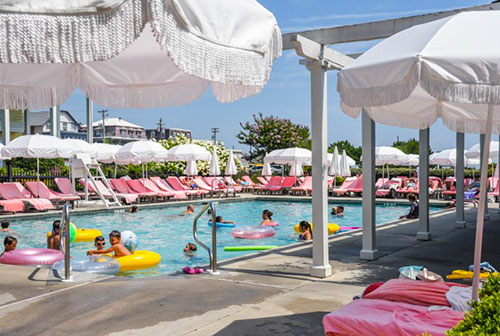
x=351, y=150
x=266, y=134
x=409, y=147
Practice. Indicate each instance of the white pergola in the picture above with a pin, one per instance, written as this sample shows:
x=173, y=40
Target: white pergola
x=318, y=58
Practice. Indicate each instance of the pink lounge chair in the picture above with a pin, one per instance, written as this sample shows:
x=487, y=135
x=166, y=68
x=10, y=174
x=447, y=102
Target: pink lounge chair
x=262, y=180
x=122, y=187
x=230, y=182
x=164, y=186
x=152, y=186
x=140, y=187
x=127, y=198
x=201, y=184
x=495, y=193
x=356, y=188
x=175, y=183
x=390, y=187
x=15, y=191
x=64, y=185
x=305, y=187
x=12, y=205
x=348, y=183
x=287, y=184
x=39, y=189
x=273, y=185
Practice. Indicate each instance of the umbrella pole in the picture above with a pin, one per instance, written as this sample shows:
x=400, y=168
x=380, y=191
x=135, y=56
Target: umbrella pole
x=38, y=177
x=482, y=199
x=143, y=185
x=388, y=177
x=115, y=172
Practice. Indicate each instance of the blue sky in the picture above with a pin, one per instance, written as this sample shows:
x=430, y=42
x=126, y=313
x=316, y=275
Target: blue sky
x=287, y=93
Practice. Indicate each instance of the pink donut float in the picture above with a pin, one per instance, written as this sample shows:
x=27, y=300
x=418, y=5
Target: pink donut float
x=31, y=256
x=252, y=232
x=273, y=224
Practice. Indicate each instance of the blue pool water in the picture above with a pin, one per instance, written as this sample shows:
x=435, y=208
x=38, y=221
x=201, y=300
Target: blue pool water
x=164, y=231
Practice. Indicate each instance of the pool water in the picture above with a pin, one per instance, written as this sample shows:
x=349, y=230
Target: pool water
x=166, y=232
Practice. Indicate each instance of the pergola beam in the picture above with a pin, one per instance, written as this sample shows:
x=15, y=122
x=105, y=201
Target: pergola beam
x=374, y=30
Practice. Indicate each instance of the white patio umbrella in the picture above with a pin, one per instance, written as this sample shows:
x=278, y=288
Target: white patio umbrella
x=411, y=160
x=189, y=153
x=37, y=147
x=445, y=68
x=214, y=164
x=474, y=151
x=388, y=156
x=105, y=153
x=266, y=171
x=447, y=157
x=335, y=164
x=81, y=147
x=231, y=165
x=344, y=166
x=289, y=156
x=154, y=53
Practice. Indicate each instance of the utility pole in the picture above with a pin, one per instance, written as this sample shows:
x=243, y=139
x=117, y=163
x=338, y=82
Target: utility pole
x=104, y=114
x=215, y=130
x=160, y=127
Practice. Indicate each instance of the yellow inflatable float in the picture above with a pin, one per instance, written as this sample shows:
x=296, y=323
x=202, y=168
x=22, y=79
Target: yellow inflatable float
x=138, y=260
x=81, y=235
x=332, y=228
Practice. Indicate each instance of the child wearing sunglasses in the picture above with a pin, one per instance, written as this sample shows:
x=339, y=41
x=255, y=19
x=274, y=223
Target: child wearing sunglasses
x=99, y=243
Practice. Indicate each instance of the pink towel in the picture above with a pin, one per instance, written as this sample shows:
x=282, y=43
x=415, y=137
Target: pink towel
x=380, y=317
x=12, y=205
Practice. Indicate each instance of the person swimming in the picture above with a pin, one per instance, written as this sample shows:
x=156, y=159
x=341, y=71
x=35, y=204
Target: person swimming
x=5, y=226
x=189, y=249
x=267, y=218
x=305, y=230
x=189, y=210
x=219, y=219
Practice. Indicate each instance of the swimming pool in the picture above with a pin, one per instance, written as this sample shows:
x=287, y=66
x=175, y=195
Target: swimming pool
x=164, y=231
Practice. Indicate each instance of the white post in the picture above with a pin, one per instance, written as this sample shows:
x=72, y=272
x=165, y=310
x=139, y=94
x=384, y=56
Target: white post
x=27, y=122
x=459, y=184
x=321, y=267
x=369, y=244
x=423, y=212
x=6, y=126
x=53, y=120
x=90, y=121
x=58, y=121
x=478, y=246
x=482, y=162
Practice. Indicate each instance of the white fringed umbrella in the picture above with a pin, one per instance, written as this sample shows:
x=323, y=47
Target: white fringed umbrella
x=231, y=165
x=266, y=171
x=105, y=153
x=134, y=53
x=81, y=147
x=344, y=166
x=296, y=169
x=446, y=68
x=214, y=164
x=474, y=151
x=335, y=164
x=189, y=153
x=289, y=156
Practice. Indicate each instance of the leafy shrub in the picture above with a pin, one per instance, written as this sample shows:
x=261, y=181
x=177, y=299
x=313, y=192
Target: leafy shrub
x=484, y=319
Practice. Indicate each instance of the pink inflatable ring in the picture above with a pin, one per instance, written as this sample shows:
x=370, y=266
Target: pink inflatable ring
x=31, y=256
x=252, y=232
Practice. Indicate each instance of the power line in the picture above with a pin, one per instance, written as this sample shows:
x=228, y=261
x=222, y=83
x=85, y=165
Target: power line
x=215, y=130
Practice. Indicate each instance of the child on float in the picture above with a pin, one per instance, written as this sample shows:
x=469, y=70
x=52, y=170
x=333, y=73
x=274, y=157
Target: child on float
x=5, y=226
x=219, y=219
x=54, y=240
x=99, y=243
x=267, y=219
x=305, y=231
x=10, y=244
x=116, y=246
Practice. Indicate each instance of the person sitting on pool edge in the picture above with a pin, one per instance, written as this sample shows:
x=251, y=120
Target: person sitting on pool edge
x=413, y=209
x=189, y=210
x=189, y=249
x=99, y=243
x=54, y=240
x=9, y=244
x=5, y=226
x=219, y=219
x=116, y=246
x=305, y=231
x=267, y=218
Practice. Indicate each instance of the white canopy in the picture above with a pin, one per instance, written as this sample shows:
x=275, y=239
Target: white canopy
x=214, y=164
x=447, y=157
x=191, y=169
x=187, y=152
x=105, y=152
x=344, y=166
x=296, y=169
x=335, y=163
x=388, y=155
x=37, y=146
x=137, y=152
x=231, y=165
x=266, y=171
x=473, y=152
x=134, y=53
x=432, y=70
x=289, y=156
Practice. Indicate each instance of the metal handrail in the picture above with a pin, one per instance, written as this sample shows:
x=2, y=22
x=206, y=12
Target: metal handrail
x=65, y=223
x=212, y=253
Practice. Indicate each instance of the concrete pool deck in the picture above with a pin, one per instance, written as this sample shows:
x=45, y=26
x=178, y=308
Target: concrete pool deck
x=267, y=295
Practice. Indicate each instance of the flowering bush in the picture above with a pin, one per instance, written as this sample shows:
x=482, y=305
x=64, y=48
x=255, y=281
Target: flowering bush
x=266, y=134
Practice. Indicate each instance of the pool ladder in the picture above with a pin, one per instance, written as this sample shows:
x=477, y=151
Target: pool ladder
x=212, y=253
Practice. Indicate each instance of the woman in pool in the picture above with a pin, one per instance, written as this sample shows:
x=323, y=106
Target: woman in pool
x=267, y=218
x=219, y=219
x=305, y=231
